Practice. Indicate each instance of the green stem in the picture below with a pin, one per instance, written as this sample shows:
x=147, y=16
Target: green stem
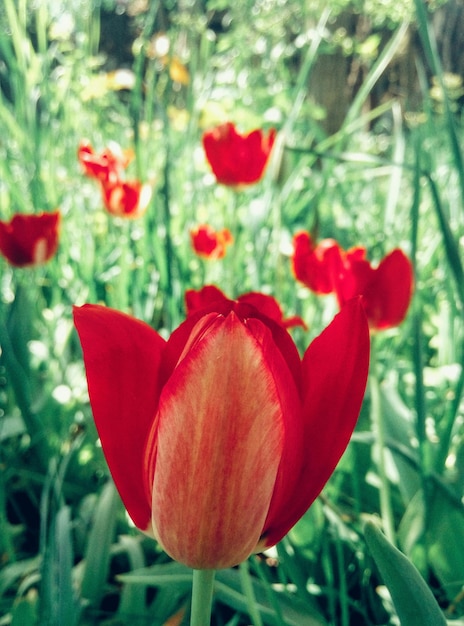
x=202, y=597
x=378, y=428
x=248, y=592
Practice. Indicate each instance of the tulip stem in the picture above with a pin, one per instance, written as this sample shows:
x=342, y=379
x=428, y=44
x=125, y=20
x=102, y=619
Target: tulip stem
x=202, y=597
x=378, y=427
x=248, y=592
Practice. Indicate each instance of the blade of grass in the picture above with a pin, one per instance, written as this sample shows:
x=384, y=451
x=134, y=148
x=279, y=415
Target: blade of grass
x=378, y=428
x=431, y=51
x=133, y=597
x=451, y=248
x=97, y=556
x=58, y=601
x=136, y=101
x=248, y=591
x=375, y=73
x=394, y=186
x=23, y=394
x=301, y=85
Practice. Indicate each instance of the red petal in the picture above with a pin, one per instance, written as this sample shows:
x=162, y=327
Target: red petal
x=258, y=146
x=290, y=400
x=122, y=358
x=267, y=305
x=335, y=368
x=219, y=443
x=353, y=275
x=313, y=265
x=197, y=300
x=389, y=292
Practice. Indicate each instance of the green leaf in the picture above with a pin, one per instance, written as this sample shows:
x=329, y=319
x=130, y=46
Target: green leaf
x=10, y=574
x=431, y=534
x=445, y=538
x=24, y=612
x=161, y=575
x=307, y=534
x=378, y=68
x=413, y=600
x=228, y=589
x=173, y=581
x=59, y=604
x=97, y=558
x=132, y=600
x=399, y=428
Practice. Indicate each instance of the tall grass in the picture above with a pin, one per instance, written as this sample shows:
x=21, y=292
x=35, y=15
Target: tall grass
x=67, y=551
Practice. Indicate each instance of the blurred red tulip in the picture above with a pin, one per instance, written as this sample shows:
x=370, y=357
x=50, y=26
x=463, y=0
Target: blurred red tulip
x=386, y=290
x=326, y=268
x=220, y=439
x=127, y=199
x=30, y=239
x=267, y=305
x=106, y=166
x=210, y=243
x=237, y=159
x=311, y=262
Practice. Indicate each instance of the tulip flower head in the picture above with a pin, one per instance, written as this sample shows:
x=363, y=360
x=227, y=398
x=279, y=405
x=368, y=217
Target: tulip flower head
x=105, y=166
x=237, y=159
x=127, y=199
x=30, y=239
x=209, y=243
x=311, y=262
x=386, y=290
x=221, y=437
x=121, y=198
x=197, y=300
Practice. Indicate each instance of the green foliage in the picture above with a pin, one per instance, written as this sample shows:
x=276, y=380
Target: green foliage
x=412, y=598
x=389, y=177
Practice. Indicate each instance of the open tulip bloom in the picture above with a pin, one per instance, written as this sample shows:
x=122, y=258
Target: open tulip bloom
x=209, y=243
x=220, y=438
x=127, y=199
x=237, y=159
x=105, y=166
x=386, y=290
x=28, y=240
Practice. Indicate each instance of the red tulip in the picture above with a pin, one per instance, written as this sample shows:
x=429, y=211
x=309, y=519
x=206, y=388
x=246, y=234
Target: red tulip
x=220, y=439
x=267, y=305
x=127, y=199
x=106, y=166
x=311, y=262
x=237, y=159
x=209, y=243
x=386, y=290
x=30, y=239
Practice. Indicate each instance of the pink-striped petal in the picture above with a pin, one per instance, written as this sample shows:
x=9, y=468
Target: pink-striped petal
x=219, y=444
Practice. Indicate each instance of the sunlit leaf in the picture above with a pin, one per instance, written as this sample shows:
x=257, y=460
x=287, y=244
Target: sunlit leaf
x=411, y=596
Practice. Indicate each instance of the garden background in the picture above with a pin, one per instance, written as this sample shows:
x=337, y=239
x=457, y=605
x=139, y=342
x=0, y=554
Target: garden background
x=366, y=98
